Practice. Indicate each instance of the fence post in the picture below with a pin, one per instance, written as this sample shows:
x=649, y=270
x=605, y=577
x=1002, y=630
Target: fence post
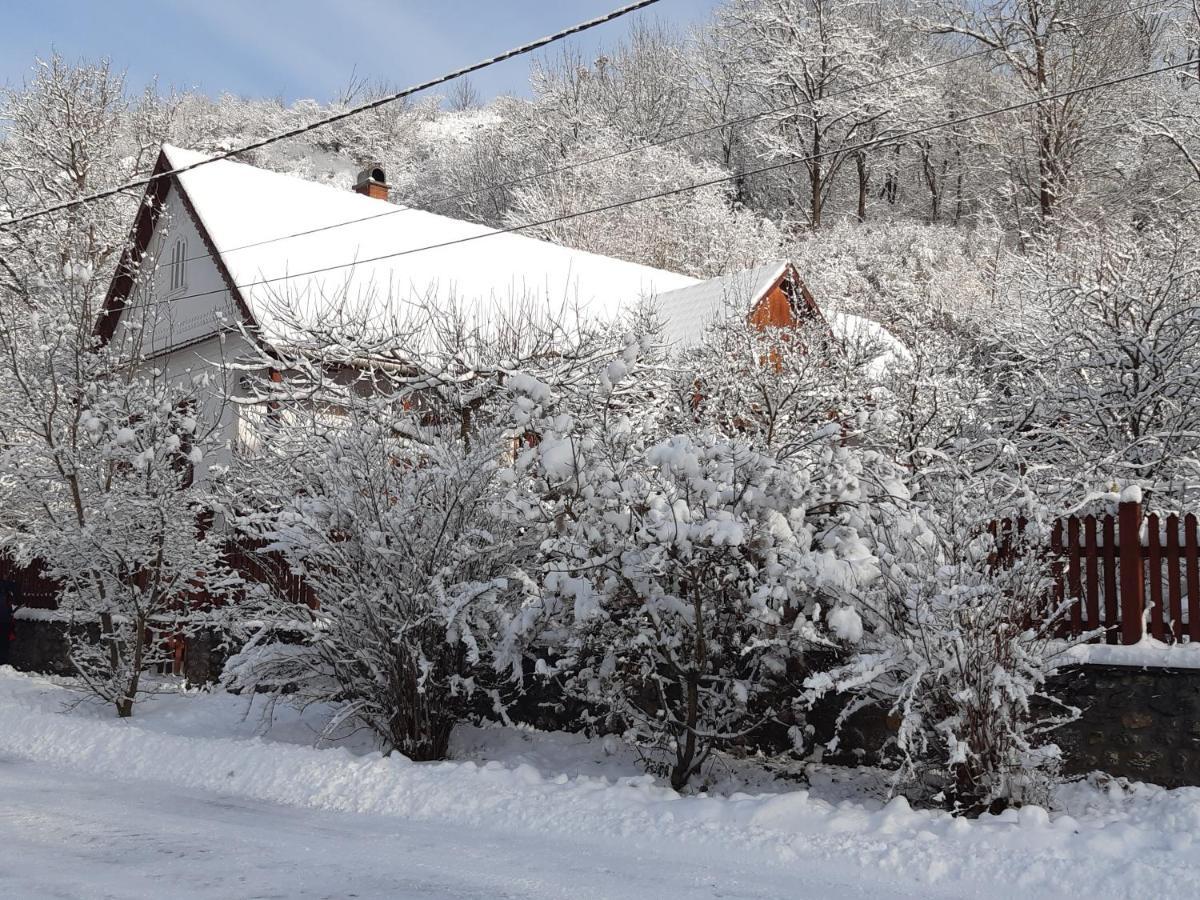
x=1130, y=541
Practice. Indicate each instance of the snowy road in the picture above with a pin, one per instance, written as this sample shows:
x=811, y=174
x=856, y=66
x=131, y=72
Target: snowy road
x=68, y=835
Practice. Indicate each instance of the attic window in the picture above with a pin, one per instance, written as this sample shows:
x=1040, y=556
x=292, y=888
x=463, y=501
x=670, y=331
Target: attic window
x=178, y=265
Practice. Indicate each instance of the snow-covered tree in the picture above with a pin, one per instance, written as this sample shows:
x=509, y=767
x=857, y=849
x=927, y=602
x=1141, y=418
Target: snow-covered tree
x=815, y=65
x=71, y=130
x=699, y=232
x=98, y=456
x=1170, y=122
x=1106, y=344
x=1064, y=147
x=635, y=88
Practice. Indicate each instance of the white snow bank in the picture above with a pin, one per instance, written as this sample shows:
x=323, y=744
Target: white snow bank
x=1148, y=653
x=1119, y=842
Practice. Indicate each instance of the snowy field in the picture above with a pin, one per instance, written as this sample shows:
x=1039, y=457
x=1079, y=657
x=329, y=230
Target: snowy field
x=197, y=797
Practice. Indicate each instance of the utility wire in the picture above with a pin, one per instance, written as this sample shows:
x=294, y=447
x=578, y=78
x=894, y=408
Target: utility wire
x=892, y=140
x=617, y=154
x=345, y=114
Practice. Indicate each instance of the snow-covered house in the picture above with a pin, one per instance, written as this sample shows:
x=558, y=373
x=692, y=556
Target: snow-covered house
x=214, y=249
x=770, y=295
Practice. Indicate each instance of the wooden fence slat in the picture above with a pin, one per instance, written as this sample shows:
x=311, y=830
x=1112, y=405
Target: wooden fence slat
x=1133, y=579
x=1174, y=581
x=1093, y=572
x=1109, y=556
x=1154, y=575
x=1056, y=574
x=1074, y=580
x=1193, y=577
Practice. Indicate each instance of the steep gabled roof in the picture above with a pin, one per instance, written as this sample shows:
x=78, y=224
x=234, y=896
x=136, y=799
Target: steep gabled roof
x=686, y=312
x=276, y=236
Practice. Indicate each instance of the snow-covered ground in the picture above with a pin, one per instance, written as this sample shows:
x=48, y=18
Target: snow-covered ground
x=70, y=834
x=196, y=797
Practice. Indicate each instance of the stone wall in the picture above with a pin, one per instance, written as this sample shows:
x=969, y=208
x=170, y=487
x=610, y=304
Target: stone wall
x=40, y=645
x=204, y=658
x=1141, y=723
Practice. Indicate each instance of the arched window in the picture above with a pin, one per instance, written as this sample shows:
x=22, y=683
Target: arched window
x=178, y=265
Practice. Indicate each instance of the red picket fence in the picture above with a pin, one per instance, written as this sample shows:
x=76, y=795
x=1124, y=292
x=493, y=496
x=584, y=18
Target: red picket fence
x=32, y=588
x=257, y=566
x=1118, y=566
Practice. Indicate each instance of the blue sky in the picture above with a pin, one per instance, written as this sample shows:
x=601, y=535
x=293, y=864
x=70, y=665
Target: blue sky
x=302, y=48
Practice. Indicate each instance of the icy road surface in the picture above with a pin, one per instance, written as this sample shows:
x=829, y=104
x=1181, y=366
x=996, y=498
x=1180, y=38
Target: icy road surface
x=68, y=835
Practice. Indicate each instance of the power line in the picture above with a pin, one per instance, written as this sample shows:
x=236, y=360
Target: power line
x=345, y=114
x=607, y=157
x=892, y=140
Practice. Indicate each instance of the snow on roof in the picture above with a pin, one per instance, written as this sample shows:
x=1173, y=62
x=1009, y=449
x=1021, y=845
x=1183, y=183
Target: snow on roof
x=887, y=351
x=240, y=205
x=686, y=311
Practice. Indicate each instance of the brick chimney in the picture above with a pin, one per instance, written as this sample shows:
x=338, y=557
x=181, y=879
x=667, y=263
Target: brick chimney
x=372, y=182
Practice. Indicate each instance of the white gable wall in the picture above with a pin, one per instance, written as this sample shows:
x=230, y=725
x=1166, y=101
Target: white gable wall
x=160, y=316
x=220, y=411
x=184, y=330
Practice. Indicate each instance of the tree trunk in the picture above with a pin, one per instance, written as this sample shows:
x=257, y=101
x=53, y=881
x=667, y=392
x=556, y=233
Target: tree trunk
x=864, y=182
x=125, y=704
x=1041, y=118
x=685, y=755
x=814, y=203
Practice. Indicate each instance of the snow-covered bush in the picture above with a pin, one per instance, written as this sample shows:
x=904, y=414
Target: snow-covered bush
x=956, y=647
x=412, y=568
x=683, y=566
x=381, y=489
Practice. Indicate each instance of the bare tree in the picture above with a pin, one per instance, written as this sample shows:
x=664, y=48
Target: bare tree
x=464, y=96
x=1049, y=47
